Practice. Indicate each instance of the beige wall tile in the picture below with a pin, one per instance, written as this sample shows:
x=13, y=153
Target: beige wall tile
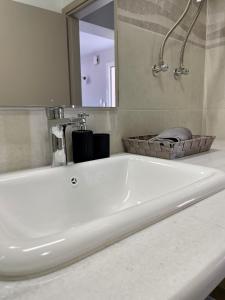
x=215, y=77
x=214, y=96
x=215, y=123
x=23, y=139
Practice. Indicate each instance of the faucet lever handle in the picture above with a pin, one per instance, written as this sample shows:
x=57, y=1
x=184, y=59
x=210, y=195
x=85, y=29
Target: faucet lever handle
x=83, y=115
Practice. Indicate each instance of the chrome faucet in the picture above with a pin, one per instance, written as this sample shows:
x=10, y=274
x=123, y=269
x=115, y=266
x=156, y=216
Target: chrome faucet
x=57, y=125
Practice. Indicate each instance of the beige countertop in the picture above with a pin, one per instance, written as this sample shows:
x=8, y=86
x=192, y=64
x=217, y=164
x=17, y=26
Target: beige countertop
x=181, y=257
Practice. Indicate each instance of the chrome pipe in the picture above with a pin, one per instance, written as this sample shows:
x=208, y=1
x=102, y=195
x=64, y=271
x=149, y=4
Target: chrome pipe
x=182, y=70
x=162, y=67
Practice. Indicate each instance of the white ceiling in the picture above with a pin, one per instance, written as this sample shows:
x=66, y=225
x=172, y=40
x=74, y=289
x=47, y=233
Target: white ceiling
x=91, y=44
x=64, y=3
x=54, y=5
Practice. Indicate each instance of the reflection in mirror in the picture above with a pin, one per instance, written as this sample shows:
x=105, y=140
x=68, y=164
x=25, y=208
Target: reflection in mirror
x=97, y=54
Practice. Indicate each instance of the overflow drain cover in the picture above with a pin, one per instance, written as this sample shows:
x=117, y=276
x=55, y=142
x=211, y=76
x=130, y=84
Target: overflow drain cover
x=74, y=181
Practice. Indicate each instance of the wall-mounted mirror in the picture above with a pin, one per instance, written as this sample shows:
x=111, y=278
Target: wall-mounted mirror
x=95, y=67
x=33, y=56
x=51, y=59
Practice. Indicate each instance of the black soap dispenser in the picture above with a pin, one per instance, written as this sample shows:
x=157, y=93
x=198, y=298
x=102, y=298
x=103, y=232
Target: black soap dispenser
x=83, y=144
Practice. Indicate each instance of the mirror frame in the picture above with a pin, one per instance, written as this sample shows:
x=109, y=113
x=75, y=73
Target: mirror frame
x=74, y=62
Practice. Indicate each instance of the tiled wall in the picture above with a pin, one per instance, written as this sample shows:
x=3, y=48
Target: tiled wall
x=147, y=104
x=160, y=16
x=153, y=104
x=214, y=106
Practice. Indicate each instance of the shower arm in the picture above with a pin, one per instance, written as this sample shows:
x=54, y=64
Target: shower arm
x=162, y=67
x=181, y=70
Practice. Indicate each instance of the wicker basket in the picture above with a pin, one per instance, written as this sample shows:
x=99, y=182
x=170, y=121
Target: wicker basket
x=143, y=146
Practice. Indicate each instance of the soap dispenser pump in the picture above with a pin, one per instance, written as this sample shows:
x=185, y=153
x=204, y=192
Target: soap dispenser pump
x=83, y=122
x=83, y=149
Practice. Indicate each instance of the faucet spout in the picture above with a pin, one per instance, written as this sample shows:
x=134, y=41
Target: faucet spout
x=57, y=125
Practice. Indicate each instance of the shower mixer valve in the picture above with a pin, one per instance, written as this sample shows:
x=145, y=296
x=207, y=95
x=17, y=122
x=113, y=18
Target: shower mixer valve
x=162, y=67
x=178, y=72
